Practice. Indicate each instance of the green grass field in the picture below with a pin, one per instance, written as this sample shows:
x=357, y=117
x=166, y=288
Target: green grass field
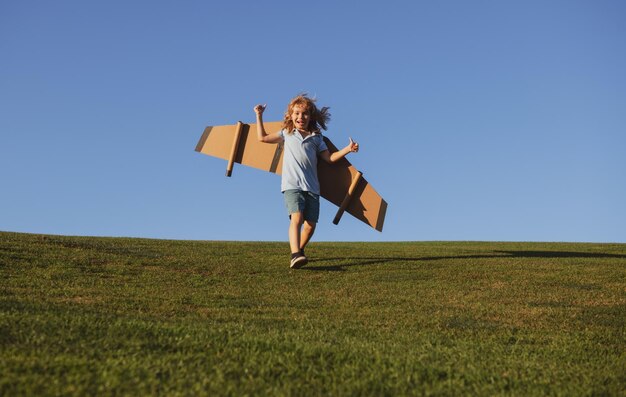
x=118, y=316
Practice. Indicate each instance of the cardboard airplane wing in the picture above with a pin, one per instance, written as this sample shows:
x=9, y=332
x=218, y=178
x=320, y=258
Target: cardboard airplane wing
x=340, y=183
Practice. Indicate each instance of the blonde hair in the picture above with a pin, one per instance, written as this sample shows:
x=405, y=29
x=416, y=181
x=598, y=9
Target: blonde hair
x=318, y=118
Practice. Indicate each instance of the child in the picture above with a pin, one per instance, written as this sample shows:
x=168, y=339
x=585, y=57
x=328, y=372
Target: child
x=300, y=185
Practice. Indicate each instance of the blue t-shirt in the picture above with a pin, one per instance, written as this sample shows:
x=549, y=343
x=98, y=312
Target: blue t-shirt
x=300, y=161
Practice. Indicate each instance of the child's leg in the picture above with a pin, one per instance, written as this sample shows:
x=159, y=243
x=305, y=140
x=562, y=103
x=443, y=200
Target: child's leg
x=311, y=215
x=297, y=218
x=307, y=232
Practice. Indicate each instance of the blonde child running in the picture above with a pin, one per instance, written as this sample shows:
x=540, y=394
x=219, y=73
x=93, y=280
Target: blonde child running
x=300, y=185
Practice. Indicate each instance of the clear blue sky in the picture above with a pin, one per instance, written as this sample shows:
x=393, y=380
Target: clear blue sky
x=477, y=120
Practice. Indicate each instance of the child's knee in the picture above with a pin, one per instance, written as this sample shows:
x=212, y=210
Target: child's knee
x=297, y=218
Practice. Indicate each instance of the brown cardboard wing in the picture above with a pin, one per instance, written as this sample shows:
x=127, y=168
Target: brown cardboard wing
x=364, y=202
x=340, y=183
x=242, y=146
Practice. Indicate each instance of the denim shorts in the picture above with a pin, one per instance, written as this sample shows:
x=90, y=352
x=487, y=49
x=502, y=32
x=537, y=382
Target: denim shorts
x=306, y=202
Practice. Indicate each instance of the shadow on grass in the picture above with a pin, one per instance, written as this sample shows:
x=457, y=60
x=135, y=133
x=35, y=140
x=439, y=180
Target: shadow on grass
x=496, y=254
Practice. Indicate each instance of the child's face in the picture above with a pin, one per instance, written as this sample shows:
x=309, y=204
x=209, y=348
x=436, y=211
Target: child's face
x=300, y=117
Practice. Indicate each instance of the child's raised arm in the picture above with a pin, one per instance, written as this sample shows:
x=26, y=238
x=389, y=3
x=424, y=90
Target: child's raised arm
x=260, y=128
x=338, y=155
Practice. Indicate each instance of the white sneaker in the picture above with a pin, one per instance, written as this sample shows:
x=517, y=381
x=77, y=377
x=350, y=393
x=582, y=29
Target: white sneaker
x=298, y=262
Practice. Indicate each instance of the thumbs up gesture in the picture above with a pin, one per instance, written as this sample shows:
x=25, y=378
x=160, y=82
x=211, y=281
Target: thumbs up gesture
x=354, y=147
x=259, y=109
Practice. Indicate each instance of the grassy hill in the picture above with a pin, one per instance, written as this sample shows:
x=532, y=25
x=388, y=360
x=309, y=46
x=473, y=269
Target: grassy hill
x=119, y=316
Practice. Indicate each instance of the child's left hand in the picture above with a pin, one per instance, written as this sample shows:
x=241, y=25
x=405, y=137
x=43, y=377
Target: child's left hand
x=353, y=146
